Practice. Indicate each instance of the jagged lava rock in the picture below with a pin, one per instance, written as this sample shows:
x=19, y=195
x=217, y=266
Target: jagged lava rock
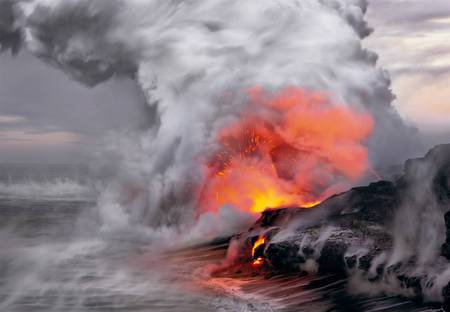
x=348, y=231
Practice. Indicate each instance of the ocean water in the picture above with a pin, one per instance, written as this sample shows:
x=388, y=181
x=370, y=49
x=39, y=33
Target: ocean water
x=53, y=258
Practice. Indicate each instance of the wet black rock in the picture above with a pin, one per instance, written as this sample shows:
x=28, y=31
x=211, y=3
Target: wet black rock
x=445, y=250
x=331, y=259
x=284, y=256
x=352, y=231
x=373, y=203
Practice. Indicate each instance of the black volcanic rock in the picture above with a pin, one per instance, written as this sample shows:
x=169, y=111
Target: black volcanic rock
x=445, y=250
x=332, y=257
x=351, y=231
x=373, y=203
x=284, y=256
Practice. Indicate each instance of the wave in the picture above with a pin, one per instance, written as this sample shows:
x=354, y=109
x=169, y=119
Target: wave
x=58, y=188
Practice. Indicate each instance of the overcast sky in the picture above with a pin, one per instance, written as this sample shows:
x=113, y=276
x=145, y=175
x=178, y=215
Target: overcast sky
x=412, y=38
x=46, y=117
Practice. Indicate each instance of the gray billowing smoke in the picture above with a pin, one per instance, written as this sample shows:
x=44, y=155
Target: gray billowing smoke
x=187, y=55
x=10, y=33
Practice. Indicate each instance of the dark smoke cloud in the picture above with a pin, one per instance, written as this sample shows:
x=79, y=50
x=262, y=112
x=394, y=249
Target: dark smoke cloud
x=36, y=98
x=10, y=34
x=58, y=103
x=353, y=12
x=73, y=35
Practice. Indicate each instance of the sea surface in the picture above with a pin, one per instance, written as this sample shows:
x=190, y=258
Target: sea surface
x=53, y=258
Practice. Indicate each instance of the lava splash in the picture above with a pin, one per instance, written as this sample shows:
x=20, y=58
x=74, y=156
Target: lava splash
x=289, y=148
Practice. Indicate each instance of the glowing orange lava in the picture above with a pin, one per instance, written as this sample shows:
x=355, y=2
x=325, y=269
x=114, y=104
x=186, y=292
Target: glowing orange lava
x=260, y=241
x=311, y=204
x=258, y=262
x=291, y=148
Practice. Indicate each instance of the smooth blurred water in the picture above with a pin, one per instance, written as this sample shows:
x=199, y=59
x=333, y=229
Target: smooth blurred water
x=48, y=264
x=54, y=258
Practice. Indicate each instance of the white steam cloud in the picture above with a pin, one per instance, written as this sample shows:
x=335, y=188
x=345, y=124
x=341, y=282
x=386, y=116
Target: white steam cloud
x=192, y=59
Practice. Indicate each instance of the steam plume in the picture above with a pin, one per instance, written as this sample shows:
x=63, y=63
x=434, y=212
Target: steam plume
x=189, y=56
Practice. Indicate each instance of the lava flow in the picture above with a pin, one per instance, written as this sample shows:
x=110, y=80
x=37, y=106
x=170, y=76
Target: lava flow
x=258, y=261
x=291, y=148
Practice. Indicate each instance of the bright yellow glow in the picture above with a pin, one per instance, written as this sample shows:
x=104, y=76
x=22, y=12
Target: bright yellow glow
x=311, y=204
x=261, y=240
x=258, y=262
x=268, y=199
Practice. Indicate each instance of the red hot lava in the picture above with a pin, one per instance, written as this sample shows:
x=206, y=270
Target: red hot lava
x=291, y=148
x=258, y=261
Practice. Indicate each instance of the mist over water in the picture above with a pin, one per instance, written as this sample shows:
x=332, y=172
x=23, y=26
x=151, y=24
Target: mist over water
x=53, y=256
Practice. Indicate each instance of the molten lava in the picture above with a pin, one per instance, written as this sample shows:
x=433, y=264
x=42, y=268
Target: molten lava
x=258, y=262
x=259, y=242
x=291, y=148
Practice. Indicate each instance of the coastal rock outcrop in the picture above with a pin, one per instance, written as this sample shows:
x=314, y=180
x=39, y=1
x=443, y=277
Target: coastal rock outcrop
x=374, y=233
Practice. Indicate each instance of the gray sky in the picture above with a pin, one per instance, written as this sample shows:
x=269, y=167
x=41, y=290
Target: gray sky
x=412, y=38
x=46, y=117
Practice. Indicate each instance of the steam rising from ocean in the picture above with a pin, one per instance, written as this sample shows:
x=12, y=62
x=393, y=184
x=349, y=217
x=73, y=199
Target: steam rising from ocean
x=58, y=188
x=193, y=59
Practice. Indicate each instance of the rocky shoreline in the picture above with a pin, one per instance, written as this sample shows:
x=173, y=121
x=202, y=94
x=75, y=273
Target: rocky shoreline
x=388, y=237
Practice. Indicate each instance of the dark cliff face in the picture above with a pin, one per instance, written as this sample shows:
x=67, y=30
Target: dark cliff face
x=349, y=231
